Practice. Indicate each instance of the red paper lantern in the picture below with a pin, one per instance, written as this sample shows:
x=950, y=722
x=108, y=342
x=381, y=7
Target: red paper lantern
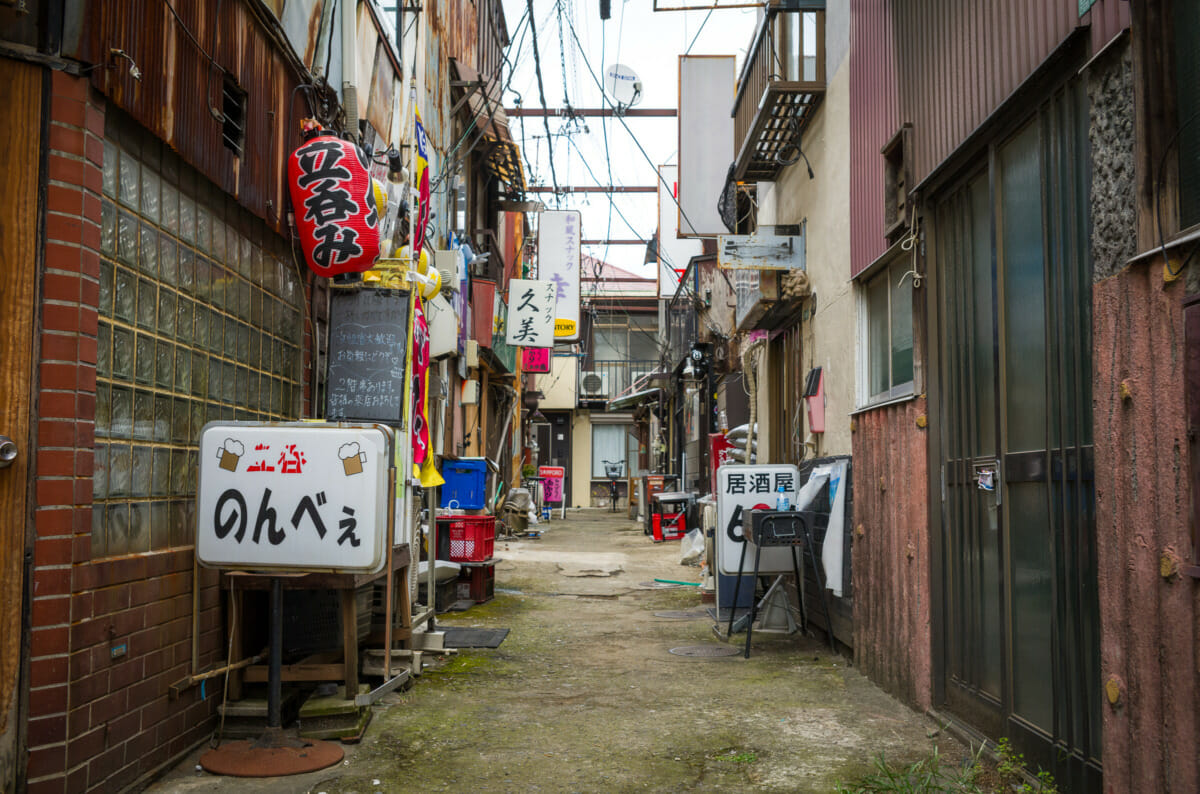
x=334, y=204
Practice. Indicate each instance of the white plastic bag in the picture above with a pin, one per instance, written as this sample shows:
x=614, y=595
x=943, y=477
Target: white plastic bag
x=691, y=548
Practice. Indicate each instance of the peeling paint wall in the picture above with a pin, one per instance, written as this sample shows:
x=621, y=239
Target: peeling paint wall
x=891, y=551
x=1150, y=629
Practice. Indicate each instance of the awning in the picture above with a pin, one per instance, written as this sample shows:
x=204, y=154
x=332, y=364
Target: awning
x=624, y=403
x=481, y=100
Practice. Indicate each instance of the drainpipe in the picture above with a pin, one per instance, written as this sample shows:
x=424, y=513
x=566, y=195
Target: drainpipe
x=349, y=92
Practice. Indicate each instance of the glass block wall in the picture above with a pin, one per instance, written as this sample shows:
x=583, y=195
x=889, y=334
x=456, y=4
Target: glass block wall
x=200, y=320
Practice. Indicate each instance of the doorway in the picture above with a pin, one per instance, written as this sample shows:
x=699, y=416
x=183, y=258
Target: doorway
x=1019, y=630
x=554, y=446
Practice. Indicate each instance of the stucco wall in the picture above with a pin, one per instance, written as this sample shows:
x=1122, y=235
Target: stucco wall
x=581, y=458
x=823, y=204
x=559, y=386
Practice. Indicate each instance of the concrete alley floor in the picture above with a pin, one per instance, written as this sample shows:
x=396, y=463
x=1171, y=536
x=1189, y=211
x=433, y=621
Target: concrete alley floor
x=584, y=695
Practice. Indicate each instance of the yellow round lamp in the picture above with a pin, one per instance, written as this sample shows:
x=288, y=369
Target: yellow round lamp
x=432, y=284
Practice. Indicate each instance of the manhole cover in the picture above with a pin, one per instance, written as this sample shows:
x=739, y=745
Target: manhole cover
x=705, y=651
x=676, y=614
x=657, y=585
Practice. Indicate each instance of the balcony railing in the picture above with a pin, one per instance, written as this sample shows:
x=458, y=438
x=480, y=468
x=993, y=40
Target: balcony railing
x=603, y=380
x=781, y=85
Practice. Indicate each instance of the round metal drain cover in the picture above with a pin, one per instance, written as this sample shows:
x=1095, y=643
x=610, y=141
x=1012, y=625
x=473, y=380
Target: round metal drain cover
x=657, y=585
x=677, y=614
x=705, y=651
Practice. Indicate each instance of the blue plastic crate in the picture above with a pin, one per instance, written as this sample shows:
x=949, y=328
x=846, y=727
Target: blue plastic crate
x=466, y=481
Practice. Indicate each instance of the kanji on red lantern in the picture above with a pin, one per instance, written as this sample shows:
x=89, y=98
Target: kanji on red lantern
x=334, y=204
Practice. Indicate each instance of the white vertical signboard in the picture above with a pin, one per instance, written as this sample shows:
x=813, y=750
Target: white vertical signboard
x=559, y=234
x=706, y=93
x=740, y=489
x=531, y=313
x=300, y=497
x=674, y=252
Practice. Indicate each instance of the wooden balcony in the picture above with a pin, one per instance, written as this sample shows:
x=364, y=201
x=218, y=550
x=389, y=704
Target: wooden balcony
x=781, y=85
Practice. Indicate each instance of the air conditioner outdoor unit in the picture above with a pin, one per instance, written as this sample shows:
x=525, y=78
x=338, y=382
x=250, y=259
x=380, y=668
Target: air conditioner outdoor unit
x=594, y=385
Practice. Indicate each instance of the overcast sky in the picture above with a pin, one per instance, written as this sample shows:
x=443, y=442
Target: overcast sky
x=648, y=42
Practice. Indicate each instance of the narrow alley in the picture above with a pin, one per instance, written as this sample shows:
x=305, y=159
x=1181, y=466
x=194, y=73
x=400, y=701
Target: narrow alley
x=370, y=367
x=584, y=693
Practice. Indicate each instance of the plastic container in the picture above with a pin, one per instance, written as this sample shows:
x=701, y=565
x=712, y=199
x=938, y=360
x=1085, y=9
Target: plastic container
x=668, y=526
x=470, y=538
x=478, y=584
x=466, y=483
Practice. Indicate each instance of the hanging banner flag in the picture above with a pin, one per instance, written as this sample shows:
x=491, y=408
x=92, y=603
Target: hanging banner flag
x=535, y=359
x=558, y=262
x=531, y=313
x=422, y=179
x=420, y=368
x=334, y=202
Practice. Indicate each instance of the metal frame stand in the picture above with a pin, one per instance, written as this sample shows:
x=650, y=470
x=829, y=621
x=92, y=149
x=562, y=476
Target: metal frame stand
x=805, y=541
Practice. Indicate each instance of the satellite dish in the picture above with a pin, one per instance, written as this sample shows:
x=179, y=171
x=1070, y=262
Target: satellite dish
x=623, y=85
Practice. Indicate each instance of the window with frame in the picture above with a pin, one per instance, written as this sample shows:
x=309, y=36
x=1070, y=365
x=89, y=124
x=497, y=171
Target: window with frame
x=886, y=333
x=611, y=443
x=199, y=321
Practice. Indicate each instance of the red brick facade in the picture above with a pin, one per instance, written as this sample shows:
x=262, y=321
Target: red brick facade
x=99, y=719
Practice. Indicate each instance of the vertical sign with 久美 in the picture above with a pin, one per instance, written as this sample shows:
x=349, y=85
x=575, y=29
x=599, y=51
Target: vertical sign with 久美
x=531, y=312
x=558, y=262
x=300, y=497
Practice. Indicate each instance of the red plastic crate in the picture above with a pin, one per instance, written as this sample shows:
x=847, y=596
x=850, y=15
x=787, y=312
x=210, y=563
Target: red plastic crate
x=479, y=583
x=472, y=538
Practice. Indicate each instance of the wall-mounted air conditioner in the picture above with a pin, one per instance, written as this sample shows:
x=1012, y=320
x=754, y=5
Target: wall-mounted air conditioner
x=593, y=385
x=450, y=266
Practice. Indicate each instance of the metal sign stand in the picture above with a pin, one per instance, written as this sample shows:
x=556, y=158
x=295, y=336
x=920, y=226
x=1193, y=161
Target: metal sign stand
x=788, y=529
x=274, y=752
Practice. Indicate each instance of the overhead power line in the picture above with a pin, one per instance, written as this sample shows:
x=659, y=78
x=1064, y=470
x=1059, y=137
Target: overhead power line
x=537, y=65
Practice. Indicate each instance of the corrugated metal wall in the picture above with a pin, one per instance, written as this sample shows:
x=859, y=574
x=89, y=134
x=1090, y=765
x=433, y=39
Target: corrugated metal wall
x=181, y=62
x=891, y=551
x=1149, y=631
x=874, y=117
x=956, y=62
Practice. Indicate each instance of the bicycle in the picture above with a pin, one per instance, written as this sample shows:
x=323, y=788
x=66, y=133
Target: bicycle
x=614, y=470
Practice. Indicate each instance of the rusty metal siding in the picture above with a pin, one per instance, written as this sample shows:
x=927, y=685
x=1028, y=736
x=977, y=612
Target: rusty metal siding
x=874, y=117
x=453, y=33
x=179, y=82
x=1150, y=632
x=957, y=62
x=892, y=641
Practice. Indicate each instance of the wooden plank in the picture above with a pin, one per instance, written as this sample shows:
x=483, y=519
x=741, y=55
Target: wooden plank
x=257, y=674
x=21, y=93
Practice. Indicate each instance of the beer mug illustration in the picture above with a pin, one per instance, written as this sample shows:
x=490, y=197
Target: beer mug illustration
x=352, y=458
x=229, y=453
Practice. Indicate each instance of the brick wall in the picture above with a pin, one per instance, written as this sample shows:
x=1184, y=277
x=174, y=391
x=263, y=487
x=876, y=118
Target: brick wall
x=96, y=722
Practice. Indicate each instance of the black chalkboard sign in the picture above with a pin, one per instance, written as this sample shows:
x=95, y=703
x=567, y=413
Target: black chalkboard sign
x=368, y=342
